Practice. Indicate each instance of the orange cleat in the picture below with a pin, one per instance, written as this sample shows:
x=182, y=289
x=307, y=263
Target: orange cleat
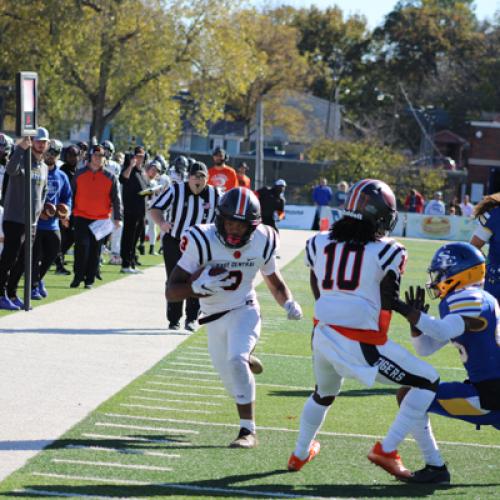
x=295, y=463
x=390, y=462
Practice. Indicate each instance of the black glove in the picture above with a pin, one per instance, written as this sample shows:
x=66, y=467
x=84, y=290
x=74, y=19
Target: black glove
x=415, y=298
x=389, y=291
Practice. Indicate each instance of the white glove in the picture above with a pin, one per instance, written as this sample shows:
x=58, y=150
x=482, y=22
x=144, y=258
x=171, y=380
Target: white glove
x=208, y=285
x=293, y=309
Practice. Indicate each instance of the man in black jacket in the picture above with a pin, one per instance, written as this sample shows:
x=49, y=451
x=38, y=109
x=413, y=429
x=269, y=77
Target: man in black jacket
x=134, y=208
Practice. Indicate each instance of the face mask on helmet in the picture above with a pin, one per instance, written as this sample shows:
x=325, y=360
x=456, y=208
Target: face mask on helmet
x=453, y=267
x=373, y=201
x=241, y=205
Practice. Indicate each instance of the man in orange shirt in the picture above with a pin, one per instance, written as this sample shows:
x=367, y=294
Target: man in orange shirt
x=222, y=176
x=243, y=179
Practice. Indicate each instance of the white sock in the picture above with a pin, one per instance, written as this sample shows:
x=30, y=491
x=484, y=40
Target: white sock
x=311, y=419
x=248, y=424
x=427, y=443
x=412, y=413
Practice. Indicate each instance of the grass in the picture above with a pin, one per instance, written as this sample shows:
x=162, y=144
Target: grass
x=58, y=286
x=166, y=434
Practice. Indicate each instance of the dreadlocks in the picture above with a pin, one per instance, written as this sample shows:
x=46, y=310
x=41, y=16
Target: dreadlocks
x=353, y=230
x=487, y=203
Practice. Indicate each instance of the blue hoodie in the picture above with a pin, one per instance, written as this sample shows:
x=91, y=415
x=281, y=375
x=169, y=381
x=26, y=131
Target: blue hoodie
x=58, y=191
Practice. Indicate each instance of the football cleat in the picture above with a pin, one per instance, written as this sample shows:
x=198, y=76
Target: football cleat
x=431, y=474
x=245, y=439
x=390, y=462
x=295, y=463
x=256, y=365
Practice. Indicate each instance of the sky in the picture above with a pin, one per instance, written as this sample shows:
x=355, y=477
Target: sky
x=374, y=10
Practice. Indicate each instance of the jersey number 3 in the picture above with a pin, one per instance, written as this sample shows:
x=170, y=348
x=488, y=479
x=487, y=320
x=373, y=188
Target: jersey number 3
x=343, y=282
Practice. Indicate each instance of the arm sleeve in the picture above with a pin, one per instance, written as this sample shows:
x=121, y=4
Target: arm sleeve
x=116, y=200
x=425, y=345
x=15, y=166
x=269, y=266
x=443, y=330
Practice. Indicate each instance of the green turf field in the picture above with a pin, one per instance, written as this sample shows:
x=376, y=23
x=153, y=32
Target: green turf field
x=166, y=434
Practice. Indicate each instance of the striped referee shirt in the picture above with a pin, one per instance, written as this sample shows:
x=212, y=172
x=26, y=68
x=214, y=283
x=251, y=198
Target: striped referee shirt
x=185, y=209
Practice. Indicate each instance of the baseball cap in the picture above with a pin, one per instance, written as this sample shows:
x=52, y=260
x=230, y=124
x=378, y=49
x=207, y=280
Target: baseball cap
x=156, y=164
x=243, y=165
x=42, y=134
x=280, y=182
x=198, y=168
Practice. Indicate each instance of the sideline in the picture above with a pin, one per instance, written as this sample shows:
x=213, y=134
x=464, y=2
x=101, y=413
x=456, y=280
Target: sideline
x=60, y=361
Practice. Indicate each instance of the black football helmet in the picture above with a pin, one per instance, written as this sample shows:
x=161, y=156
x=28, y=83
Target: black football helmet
x=373, y=201
x=181, y=164
x=242, y=205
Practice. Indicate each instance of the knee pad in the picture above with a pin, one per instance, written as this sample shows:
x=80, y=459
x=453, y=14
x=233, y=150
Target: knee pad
x=323, y=401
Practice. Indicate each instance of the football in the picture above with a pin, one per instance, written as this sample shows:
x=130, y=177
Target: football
x=214, y=271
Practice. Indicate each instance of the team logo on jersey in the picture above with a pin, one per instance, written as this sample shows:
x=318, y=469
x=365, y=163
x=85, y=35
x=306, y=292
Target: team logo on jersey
x=237, y=254
x=183, y=244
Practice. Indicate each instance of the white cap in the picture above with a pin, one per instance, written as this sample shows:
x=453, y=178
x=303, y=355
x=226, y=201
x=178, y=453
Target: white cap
x=42, y=134
x=280, y=182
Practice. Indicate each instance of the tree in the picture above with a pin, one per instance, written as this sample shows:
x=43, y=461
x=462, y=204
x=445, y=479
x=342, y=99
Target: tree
x=126, y=60
x=279, y=68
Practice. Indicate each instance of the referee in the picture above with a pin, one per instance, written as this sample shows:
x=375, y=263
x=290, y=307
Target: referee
x=186, y=204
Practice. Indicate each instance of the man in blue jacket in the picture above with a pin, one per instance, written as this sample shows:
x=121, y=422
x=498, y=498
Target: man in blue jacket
x=57, y=207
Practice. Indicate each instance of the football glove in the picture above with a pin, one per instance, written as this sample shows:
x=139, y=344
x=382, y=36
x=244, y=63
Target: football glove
x=293, y=309
x=415, y=297
x=208, y=285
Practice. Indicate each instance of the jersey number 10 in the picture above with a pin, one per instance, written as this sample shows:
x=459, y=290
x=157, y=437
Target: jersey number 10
x=343, y=282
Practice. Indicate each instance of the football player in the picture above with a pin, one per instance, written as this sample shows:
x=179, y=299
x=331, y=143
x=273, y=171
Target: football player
x=470, y=321
x=355, y=271
x=231, y=252
x=487, y=212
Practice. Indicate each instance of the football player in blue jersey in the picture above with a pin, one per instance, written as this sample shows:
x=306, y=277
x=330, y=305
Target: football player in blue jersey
x=487, y=212
x=470, y=320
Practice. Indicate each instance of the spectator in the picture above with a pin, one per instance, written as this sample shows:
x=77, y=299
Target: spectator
x=322, y=197
x=83, y=158
x=435, y=206
x=12, y=258
x=71, y=156
x=414, y=202
x=272, y=203
x=48, y=235
x=186, y=204
x=111, y=165
x=466, y=206
x=243, y=180
x=152, y=172
x=96, y=194
x=222, y=176
x=6, y=145
x=178, y=170
x=134, y=208
x=341, y=194
x=455, y=205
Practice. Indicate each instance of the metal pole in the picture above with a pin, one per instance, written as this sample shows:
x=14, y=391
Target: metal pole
x=259, y=147
x=28, y=229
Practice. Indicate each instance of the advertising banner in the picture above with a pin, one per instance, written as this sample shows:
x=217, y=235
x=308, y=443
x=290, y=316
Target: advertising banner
x=298, y=217
x=437, y=227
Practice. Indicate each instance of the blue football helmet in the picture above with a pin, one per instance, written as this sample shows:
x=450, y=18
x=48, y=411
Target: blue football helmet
x=455, y=266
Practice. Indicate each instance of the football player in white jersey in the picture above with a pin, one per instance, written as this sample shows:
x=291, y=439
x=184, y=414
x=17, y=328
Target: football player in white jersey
x=355, y=272
x=239, y=246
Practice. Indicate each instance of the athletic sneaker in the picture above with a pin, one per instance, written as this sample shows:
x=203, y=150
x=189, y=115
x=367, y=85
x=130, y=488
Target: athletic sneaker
x=42, y=290
x=174, y=326
x=431, y=474
x=7, y=305
x=191, y=326
x=245, y=439
x=17, y=301
x=35, y=294
x=62, y=271
x=256, y=365
x=128, y=270
x=115, y=260
x=295, y=463
x=390, y=462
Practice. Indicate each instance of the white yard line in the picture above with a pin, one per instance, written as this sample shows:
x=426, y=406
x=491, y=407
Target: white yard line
x=194, y=394
x=111, y=437
x=201, y=403
x=149, y=419
x=204, y=387
x=181, y=363
x=325, y=433
x=124, y=451
x=185, y=487
x=141, y=428
x=165, y=408
x=65, y=494
x=117, y=465
x=194, y=372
